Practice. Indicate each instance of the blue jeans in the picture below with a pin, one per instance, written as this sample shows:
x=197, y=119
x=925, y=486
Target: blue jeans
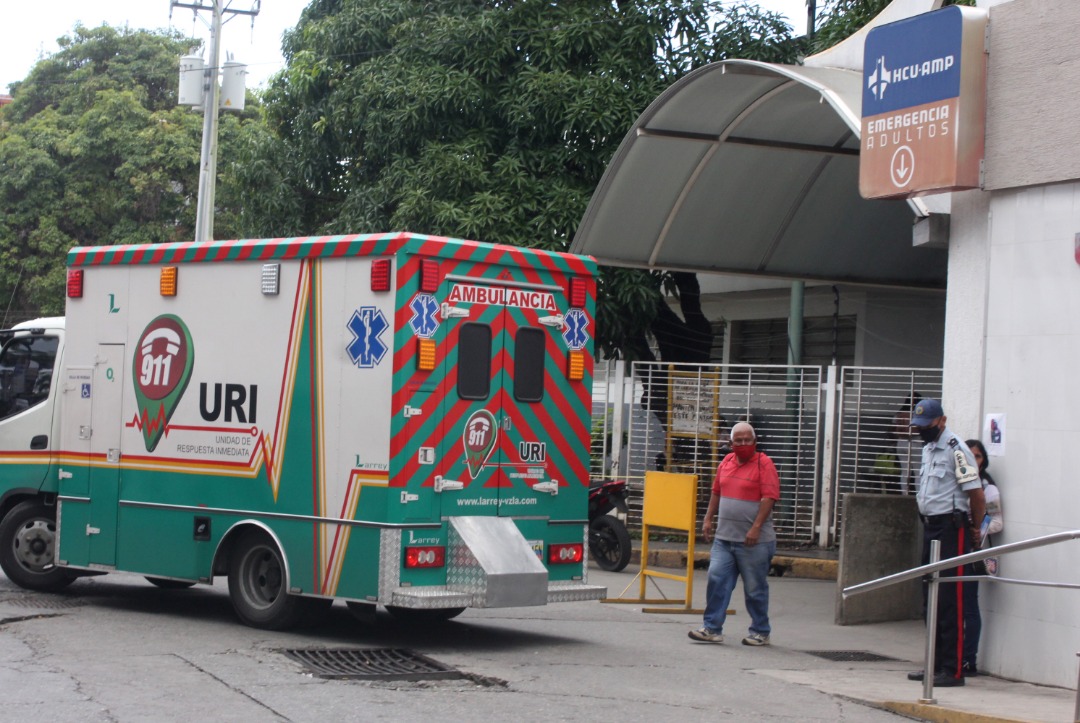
x=728, y=562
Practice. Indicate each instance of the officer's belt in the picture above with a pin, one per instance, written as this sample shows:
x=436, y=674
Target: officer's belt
x=936, y=518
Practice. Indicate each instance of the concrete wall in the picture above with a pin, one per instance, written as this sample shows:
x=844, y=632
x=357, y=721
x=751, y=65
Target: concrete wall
x=1031, y=105
x=894, y=328
x=881, y=536
x=966, y=312
x=1032, y=347
x=1013, y=330
x=903, y=329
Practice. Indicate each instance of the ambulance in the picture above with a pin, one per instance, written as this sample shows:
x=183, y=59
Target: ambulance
x=390, y=419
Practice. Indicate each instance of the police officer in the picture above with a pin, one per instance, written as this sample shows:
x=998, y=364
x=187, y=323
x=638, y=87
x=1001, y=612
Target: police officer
x=950, y=497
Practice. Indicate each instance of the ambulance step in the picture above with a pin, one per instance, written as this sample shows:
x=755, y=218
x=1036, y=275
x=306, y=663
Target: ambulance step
x=489, y=559
x=575, y=592
x=429, y=598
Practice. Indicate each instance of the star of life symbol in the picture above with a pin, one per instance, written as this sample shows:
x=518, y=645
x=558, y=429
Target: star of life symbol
x=879, y=79
x=367, y=348
x=424, y=323
x=575, y=334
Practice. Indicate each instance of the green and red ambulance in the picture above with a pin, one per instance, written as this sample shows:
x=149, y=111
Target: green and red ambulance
x=389, y=419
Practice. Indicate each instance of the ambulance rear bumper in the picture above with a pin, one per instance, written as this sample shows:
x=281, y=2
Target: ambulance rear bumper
x=441, y=597
x=488, y=565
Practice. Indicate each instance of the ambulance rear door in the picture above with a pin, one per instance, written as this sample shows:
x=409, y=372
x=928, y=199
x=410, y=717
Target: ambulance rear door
x=510, y=439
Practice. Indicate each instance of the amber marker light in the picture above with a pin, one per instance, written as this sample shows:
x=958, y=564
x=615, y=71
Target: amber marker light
x=425, y=354
x=168, y=280
x=575, y=365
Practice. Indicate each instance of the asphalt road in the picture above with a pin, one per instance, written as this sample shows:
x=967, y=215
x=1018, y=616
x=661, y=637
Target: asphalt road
x=115, y=648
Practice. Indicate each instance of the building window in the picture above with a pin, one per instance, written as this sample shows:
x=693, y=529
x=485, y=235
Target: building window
x=765, y=341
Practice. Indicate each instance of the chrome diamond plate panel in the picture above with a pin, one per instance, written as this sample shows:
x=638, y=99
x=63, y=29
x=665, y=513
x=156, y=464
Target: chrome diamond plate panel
x=389, y=563
x=574, y=592
x=429, y=598
x=464, y=573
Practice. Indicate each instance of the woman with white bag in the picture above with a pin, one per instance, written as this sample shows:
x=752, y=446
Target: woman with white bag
x=991, y=524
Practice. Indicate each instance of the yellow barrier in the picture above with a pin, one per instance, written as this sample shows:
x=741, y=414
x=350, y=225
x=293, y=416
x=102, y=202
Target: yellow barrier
x=670, y=502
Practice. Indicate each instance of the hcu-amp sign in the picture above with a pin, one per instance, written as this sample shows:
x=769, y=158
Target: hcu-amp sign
x=923, y=104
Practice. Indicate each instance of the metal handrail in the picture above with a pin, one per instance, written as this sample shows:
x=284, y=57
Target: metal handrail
x=963, y=560
x=936, y=566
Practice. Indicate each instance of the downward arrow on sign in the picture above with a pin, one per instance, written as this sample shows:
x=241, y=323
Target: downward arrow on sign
x=902, y=169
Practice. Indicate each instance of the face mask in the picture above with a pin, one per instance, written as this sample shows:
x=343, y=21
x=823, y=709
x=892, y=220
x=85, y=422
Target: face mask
x=744, y=451
x=929, y=434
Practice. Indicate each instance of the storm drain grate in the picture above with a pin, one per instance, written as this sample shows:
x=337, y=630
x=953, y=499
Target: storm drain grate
x=47, y=602
x=850, y=656
x=372, y=664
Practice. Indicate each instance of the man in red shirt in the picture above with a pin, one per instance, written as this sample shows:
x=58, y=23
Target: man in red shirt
x=743, y=494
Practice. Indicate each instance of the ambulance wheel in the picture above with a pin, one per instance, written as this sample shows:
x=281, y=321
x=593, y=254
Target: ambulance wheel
x=424, y=615
x=166, y=584
x=609, y=543
x=257, y=584
x=28, y=546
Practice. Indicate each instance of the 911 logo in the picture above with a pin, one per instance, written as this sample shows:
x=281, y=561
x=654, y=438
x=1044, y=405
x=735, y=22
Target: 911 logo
x=161, y=368
x=478, y=438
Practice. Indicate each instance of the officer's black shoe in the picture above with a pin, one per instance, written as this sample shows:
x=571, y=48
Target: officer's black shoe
x=968, y=670
x=944, y=680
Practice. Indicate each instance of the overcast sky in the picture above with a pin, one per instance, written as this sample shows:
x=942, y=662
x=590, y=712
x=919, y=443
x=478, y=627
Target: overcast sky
x=31, y=35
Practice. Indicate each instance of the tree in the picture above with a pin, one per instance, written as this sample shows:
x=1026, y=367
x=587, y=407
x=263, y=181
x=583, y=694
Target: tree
x=839, y=19
x=94, y=150
x=485, y=119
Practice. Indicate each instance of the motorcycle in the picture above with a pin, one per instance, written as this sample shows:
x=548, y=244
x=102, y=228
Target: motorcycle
x=609, y=540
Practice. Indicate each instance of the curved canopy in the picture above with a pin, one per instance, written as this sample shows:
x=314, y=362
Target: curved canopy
x=753, y=168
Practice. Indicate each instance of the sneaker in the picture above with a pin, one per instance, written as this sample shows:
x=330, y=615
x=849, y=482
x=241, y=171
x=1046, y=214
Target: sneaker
x=756, y=639
x=704, y=635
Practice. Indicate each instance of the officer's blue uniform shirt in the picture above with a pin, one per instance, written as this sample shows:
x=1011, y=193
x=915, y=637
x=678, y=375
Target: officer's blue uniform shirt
x=945, y=479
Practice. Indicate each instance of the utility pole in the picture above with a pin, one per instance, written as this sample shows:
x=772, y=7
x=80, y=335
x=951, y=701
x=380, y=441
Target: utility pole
x=204, y=217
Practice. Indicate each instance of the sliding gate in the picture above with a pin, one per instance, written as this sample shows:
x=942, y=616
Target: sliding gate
x=677, y=418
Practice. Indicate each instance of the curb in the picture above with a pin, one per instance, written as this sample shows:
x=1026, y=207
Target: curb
x=937, y=714
x=793, y=565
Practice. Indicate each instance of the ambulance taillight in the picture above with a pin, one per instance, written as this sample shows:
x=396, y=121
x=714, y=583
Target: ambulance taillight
x=74, y=283
x=380, y=275
x=431, y=556
x=429, y=276
x=577, y=293
x=566, y=554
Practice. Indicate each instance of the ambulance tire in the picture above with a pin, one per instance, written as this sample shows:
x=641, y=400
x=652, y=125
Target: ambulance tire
x=424, y=615
x=257, y=584
x=609, y=543
x=27, y=546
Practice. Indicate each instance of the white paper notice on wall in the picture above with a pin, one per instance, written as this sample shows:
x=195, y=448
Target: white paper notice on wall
x=993, y=434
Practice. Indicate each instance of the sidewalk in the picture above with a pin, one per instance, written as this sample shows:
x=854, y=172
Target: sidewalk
x=802, y=615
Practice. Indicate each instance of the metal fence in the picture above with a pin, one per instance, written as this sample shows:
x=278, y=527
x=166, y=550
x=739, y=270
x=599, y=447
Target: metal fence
x=876, y=451
x=677, y=417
